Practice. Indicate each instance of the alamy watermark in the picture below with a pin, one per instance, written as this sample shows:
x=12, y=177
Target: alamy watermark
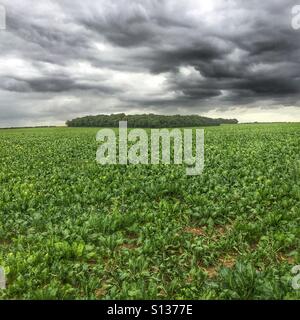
x=133, y=147
x=2, y=279
x=296, y=17
x=2, y=17
x=296, y=278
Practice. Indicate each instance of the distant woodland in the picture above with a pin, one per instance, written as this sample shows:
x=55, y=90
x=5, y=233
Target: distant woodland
x=147, y=121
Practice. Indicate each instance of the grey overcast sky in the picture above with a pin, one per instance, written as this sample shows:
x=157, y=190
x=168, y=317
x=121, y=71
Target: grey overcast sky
x=67, y=58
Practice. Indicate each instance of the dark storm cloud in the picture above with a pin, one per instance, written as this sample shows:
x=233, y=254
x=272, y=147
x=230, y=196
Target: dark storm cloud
x=209, y=53
x=43, y=40
x=53, y=84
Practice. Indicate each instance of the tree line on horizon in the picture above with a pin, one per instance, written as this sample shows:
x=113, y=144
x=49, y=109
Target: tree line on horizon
x=147, y=121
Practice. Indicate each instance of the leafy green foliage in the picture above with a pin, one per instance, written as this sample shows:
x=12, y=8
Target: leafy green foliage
x=72, y=229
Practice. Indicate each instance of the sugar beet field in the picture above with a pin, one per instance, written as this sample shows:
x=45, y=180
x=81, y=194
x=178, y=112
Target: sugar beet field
x=73, y=229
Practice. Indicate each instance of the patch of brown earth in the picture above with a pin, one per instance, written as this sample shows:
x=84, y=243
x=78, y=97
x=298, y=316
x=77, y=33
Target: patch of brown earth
x=131, y=235
x=189, y=279
x=211, y=271
x=221, y=231
x=129, y=246
x=101, y=292
x=195, y=231
x=228, y=261
x=92, y=262
x=4, y=242
x=284, y=258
